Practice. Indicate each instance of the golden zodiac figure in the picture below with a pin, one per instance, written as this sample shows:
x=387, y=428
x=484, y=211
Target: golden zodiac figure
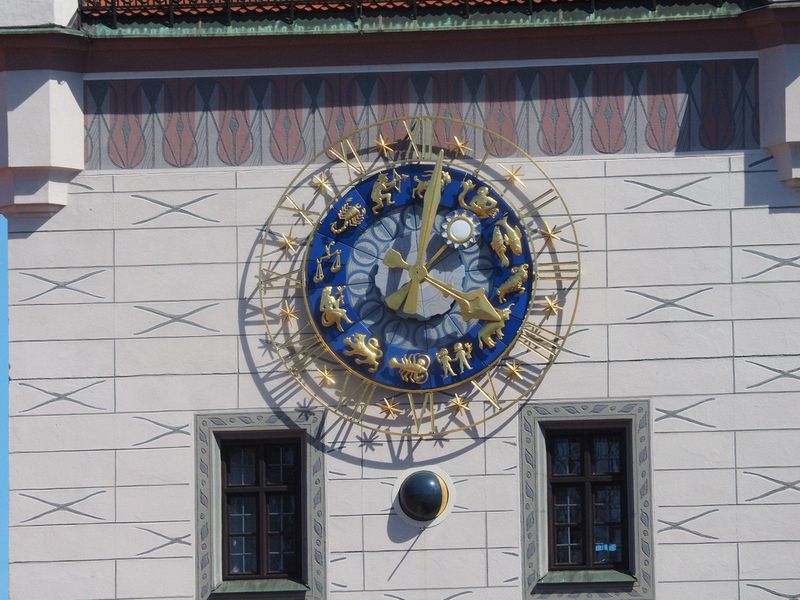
x=381, y=193
x=335, y=257
x=515, y=283
x=462, y=353
x=481, y=204
x=366, y=351
x=330, y=307
x=422, y=184
x=505, y=236
x=413, y=367
x=443, y=358
x=349, y=215
x=493, y=328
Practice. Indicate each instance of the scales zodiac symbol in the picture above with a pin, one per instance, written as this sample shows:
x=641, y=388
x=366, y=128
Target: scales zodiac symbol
x=334, y=257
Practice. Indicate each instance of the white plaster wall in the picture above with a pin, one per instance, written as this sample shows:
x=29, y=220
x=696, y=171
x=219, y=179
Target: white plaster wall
x=31, y=13
x=689, y=299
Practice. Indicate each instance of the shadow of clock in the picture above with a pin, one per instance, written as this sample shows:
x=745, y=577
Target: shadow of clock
x=267, y=386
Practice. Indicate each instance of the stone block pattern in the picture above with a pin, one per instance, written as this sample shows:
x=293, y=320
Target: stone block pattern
x=135, y=307
x=548, y=111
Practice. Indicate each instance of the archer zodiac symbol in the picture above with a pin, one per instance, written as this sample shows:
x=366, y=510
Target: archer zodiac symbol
x=381, y=193
x=334, y=257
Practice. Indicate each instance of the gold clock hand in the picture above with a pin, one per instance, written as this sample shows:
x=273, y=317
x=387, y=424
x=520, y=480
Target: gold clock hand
x=430, y=204
x=394, y=259
x=474, y=304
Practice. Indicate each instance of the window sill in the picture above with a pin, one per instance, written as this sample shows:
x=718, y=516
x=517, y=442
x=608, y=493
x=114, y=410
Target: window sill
x=600, y=576
x=267, y=588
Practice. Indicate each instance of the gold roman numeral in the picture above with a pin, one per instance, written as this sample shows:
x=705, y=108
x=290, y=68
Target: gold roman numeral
x=304, y=213
x=356, y=165
x=537, y=204
x=420, y=139
x=541, y=341
x=558, y=271
x=490, y=394
x=426, y=411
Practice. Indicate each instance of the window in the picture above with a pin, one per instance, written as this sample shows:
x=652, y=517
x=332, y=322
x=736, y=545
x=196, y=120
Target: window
x=586, y=492
x=261, y=520
x=260, y=506
x=587, y=498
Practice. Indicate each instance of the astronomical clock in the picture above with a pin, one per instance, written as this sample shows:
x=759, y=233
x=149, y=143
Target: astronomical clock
x=416, y=284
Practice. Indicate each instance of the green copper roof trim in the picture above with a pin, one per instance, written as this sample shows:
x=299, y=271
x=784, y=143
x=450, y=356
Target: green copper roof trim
x=246, y=586
x=43, y=30
x=307, y=24
x=598, y=576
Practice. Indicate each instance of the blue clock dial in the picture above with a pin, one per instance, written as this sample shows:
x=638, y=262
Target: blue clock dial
x=413, y=322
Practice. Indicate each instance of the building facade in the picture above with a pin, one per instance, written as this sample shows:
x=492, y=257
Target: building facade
x=273, y=265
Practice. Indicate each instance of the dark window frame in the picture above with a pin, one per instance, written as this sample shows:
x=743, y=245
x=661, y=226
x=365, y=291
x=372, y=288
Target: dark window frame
x=585, y=431
x=262, y=440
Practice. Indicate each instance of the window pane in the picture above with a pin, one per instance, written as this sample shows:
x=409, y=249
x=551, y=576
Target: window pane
x=569, y=545
x=606, y=454
x=568, y=505
x=243, y=554
x=281, y=463
x=242, y=514
x=566, y=456
x=241, y=465
x=607, y=507
x=282, y=533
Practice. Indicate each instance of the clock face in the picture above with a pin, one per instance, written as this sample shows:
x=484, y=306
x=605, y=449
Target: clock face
x=428, y=332
x=413, y=286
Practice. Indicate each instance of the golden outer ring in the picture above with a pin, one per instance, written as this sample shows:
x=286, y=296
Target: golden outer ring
x=522, y=397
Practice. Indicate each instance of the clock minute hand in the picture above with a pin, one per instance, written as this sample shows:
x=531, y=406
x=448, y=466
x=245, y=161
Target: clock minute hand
x=430, y=205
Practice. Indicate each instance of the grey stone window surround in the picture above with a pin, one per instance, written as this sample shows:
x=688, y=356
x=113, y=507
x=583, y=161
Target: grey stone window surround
x=538, y=582
x=208, y=508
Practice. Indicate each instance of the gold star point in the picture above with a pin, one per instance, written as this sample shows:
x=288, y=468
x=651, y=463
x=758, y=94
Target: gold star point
x=551, y=305
x=513, y=177
x=460, y=146
x=513, y=370
x=326, y=376
x=287, y=313
x=549, y=233
x=459, y=404
x=384, y=146
x=322, y=184
x=288, y=244
x=389, y=409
